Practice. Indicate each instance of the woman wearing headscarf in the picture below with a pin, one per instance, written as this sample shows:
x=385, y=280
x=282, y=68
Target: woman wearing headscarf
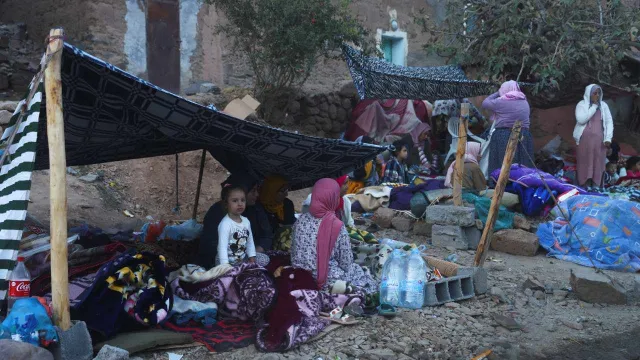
x=593, y=133
x=279, y=209
x=472, y=178
x=321, y=244
x=509, y=105
x=344, y=210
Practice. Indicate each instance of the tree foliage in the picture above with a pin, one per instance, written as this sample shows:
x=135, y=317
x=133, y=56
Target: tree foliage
x=284, y=39
x=559, y=45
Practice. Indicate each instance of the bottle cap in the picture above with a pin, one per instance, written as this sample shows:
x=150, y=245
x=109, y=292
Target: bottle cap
x=21, y=258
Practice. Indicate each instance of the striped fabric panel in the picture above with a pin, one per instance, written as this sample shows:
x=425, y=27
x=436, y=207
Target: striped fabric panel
x=15, y=184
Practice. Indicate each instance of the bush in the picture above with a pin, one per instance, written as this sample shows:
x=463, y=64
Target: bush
x=284, y=39
x=557, y=44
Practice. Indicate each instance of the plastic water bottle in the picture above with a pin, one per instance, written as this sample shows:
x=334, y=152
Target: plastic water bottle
x=392, y=274
x=412, y=286
x=19, y=284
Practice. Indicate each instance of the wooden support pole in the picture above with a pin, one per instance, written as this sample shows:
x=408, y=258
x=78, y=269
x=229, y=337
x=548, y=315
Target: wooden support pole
x=463, y=123
x=203, y=159
x=487, y=233
x=57, y=181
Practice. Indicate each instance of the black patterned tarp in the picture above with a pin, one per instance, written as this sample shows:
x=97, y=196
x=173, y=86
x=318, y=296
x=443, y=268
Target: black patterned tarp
x=111, y=115
x=376, y=78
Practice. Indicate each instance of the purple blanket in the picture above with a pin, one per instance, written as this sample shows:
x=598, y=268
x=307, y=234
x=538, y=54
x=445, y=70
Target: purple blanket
x=531, y=178
x=401, y=196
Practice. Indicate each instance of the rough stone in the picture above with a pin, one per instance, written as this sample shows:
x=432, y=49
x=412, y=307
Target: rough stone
x=294, y=107
x=533, y=284
x=520, y=222
x=5, y=117
x=73, y=344
x=89, y=178
x=202, y=88
x=507, y=322
x=539, y=295
x=109, y=352
x=451, y=215
x=560, y=295
x=422, y=228
x=8, y=105
x=383, y=217
x=341, y=116
x=592, y=287
x=499, y=294
x=572, y=324
x=402, y=223
x=473, y=236
x=515, y=242
x=4, y=82
x=333, y=112
x=324, y=107
x=449, y=236
x=528, y=292
x=15, y=350
x=347, y=89
x=346, y=104
x=479, y=224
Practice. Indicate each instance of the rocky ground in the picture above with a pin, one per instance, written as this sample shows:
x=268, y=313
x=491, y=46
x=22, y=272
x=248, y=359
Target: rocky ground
x=512, y=321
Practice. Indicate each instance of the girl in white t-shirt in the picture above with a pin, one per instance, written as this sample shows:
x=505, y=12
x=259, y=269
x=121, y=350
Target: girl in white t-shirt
x=235, y=241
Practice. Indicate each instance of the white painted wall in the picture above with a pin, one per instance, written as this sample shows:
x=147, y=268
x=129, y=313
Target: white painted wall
x=135, y=39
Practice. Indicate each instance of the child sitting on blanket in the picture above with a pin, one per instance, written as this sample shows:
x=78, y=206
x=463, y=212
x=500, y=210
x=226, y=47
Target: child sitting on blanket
x=396, y=170
x=235, y=240
x=611, y=176
x=632, y=169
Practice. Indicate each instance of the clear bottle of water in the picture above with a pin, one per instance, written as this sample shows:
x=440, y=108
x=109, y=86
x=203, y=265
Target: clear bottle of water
x=392, y=274
x=415, y=278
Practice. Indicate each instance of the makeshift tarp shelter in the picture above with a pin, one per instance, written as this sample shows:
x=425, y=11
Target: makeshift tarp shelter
x=98, y=113
x=376, y=78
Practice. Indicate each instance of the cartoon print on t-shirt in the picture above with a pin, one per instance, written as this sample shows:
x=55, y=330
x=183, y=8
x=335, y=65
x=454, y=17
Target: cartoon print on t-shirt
x=239, y=244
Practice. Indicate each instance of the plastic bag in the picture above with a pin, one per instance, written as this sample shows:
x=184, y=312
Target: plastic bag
x=186, y=231
x=482, y=205
x=29, y=321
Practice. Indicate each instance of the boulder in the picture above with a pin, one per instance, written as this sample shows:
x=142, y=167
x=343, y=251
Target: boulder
x=402, y=223
x=533, y=284
x=5, y=117
x=515, y=242
x=519, y=222
x=383, y=217
x=15, y=350
x=8, y=105
x=346, y=104
x=451, y=215
x=294, y=107
x=109, y=352
x=596, y=288
x=347, y=89
x=333, y=112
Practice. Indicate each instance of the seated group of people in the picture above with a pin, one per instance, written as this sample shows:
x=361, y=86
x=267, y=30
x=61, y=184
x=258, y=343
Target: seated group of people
x=249, y=218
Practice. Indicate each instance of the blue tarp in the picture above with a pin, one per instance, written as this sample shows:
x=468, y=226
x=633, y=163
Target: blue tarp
x=609, y=230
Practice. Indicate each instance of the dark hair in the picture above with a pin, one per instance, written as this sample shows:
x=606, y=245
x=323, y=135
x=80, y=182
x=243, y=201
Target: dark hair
x=632, y=161
x=612, y=163
x=226, y=191
x=398, y=145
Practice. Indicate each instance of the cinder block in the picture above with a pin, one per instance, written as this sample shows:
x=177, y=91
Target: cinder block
x=473, y=236
x=74, y=344
x=451, y=215
x=480, y=278
x=449, y=236
x=449, y=289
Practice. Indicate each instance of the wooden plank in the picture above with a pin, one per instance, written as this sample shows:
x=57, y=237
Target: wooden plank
x=463, y=123
x=487, y=233
x=57, y=181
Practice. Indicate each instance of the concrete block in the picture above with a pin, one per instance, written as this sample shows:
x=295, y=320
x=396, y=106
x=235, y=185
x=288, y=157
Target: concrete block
x=593, y=287
x=451, y=215
x=402, y=223
x=515, y=242
x=449, y=289
x=479, y=276
x=449, y=236
x=473, y=235
x=74, y=344
x=383, y=217
x=422, y=228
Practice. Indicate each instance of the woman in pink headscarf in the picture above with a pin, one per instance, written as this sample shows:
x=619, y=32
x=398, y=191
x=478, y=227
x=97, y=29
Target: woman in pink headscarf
x=509, y=105
x=321, y=244
x=472, y=178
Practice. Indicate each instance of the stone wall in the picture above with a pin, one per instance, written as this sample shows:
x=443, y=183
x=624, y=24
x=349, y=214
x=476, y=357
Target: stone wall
x=19, y=60
x=321, y=114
